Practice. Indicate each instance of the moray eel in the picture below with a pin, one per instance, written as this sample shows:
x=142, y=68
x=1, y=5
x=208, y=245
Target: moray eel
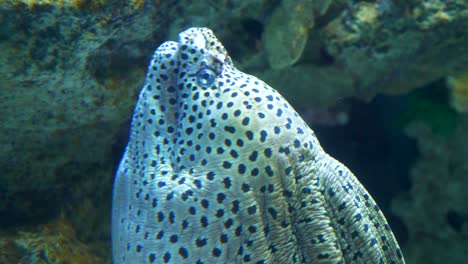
x=220, y=168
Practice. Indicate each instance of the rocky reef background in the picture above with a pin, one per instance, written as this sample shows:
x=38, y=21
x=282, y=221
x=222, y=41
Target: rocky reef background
x=384, y=83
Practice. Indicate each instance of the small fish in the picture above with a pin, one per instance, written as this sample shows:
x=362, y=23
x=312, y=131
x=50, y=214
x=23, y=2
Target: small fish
x=220, y=168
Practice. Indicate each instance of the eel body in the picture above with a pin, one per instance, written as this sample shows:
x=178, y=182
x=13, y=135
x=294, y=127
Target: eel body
x=220, y=168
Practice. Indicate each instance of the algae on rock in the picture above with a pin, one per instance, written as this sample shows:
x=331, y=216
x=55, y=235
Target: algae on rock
x=54, y=242
x=68, y=82
x=379, y=47
x=459, y=91
x=287, y=30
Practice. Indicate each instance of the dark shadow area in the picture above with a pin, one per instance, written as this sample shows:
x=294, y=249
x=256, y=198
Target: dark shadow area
x=376, y=150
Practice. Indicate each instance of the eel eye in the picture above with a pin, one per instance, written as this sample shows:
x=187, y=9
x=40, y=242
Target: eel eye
x=206, y=77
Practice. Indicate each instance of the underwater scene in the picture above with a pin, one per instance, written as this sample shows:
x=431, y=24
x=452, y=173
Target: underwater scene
x=253, y=131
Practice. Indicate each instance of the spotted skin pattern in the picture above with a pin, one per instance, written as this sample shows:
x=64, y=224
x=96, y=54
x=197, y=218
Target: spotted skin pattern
x=219, y=168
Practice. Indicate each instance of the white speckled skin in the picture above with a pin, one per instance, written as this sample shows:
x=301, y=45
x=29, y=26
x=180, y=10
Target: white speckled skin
x=221, y=169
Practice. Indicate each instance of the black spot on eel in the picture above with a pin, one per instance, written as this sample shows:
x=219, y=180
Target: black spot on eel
x=220, y=168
